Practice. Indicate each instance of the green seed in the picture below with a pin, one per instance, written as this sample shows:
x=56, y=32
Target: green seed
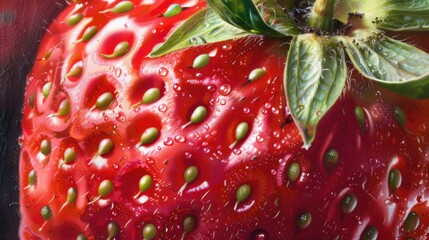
x=64, y=108
x=81, y=236
x=199, y=114
x=71, y=195
x=360, y=116
x=256, y=74
x=242, y=193
x=120, y=50
x=46, y=213
x=104, y=100
x=145, y=183
x=370, y=233
x=293, y=172
x=149, y=231
x=190, y=174
x=122, y=7
x=75, y=72
x=151, y=95
x=45, y=147
x=89, y=33
x=201, y=61
x=400, y=116
x=105, y=188
x=149, y=136
x=32, y=99
x=196, y=41
x=105, y=147
x=32, y=177
x=304, y=220
x=348, y=203
x=173, y=10
x=241, y=131
x=74, y=19
x=112, y=229
x=411, y=222
x=46, y=89
x=69, y=155
x=189, y=223
x=395, y=179
x=330, y=160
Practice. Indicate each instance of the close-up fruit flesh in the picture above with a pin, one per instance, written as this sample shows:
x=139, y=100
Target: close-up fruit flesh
x=200, y=143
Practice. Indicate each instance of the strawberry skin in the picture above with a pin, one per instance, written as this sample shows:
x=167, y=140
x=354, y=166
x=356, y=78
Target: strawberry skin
x=122, y=146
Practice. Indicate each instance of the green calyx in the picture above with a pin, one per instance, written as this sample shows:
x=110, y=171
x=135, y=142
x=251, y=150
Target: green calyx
x=325, y=33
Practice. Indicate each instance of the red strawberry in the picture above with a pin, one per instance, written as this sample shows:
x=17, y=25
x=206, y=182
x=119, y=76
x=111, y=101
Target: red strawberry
x=201, y=143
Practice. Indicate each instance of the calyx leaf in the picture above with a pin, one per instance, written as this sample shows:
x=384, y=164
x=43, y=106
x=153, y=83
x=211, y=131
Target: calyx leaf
x=393, y=15
x=245, y=15
x=405, y=15
x=315, y=76
x=398, y=66
x=203, y=27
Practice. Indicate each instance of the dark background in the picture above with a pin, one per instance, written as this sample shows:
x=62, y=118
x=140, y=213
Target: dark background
x=22, y=25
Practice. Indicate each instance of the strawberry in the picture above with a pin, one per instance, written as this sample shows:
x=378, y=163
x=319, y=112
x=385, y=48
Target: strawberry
x=180, y=120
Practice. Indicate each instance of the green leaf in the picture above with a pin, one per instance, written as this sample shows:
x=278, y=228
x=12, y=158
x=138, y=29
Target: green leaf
x=405, y=15
x=315, y=76
x=243, y=14
x=203, y=27
x=276, y=17
x=398, y=66
x=393, y=15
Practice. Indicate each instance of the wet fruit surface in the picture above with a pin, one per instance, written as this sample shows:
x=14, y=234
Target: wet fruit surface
x=122, y=146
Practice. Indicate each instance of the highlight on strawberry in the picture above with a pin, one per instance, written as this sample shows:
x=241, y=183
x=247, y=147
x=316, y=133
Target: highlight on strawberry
x=229, y=119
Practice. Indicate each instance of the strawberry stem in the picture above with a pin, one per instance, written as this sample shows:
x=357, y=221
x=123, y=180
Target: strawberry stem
x=322, y=15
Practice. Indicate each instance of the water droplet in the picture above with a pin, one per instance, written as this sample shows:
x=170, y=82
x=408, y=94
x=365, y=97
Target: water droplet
x=259, y=138
x=168, y=141
x=225, y=89
x=227, y=47
x=188, y=155
x=162, y=108
x=180, y=138
x=246, y=110
x=163, y=71
x=275, y=110
x=177, y=87
x=222, y=102
x=276, y=133
x=236, y=151
x=121, y=117
x=211, y=88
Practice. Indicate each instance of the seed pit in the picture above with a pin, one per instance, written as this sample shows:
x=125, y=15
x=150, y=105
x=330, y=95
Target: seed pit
x=140, y=87
x=110, y=42
x=96, y=88
x=74, y=68
x=140, y=123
